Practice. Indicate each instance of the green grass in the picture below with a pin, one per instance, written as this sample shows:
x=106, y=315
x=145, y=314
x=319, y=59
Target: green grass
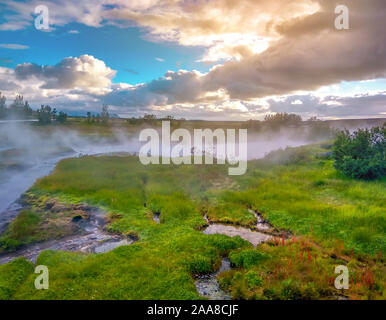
x=300, y=193
x=12, y=275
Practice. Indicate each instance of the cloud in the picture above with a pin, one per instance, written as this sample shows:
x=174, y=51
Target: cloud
x=307, y=54
x=361, y=105
x=263, y=49
x=159, y=59
x=13, y=46
x=86, y=73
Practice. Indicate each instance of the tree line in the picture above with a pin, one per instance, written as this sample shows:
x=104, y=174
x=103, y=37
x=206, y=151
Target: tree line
x=20, y=109
x=102, y=117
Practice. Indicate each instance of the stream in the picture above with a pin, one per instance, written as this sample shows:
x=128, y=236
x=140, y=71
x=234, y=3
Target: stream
x=207, y=285
x=92, y=239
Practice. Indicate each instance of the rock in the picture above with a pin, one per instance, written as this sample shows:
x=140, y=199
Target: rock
x=49, y=204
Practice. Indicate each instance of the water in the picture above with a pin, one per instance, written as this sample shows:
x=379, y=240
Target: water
x=208, y=286
x=253, y=237
x=91, y=239
x=18, y=121
x=110, y=245
x=156, y=217
x=14, y=183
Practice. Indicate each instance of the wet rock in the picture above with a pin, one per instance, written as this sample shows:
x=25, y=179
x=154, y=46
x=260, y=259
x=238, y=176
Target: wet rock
x=208, y=286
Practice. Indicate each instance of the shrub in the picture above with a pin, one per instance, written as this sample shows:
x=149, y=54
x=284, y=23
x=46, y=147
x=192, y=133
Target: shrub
x=200, y=264
x=362, y=154
x=247, y=258
x=253, y=279
x=290, y=156
x=290, y=290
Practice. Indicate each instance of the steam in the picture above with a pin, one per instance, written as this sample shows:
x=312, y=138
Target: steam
x=29, y=152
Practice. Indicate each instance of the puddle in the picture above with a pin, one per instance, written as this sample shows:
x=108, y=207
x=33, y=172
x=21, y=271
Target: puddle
x=156, y=217
x=92, y=240
x=208, y=286
x=110, y=245
x=253, y=237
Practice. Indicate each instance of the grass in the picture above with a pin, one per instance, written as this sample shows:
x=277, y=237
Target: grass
x=12, y=275
x=292, y=188
x=299, y=269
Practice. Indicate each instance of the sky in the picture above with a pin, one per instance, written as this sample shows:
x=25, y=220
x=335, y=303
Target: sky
x=197, y=59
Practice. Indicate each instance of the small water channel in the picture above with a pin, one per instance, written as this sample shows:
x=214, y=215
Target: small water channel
x=91, y=239
x=207, y=285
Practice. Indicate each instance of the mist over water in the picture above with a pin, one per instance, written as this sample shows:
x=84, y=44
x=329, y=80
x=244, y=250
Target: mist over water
x=31, y=152
x=27, y=154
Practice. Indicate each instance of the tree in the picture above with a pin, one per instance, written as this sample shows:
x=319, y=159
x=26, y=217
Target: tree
x=314, y=119
x=362, y=154
x=27, y=110
x=149, y=117
x=88, y=117
x=3, y=108
x=62, y=117
x=53, y=114
x=282, y=119
x=17, y=105
x=19, y=108
x=105, y=114
x=44, y=114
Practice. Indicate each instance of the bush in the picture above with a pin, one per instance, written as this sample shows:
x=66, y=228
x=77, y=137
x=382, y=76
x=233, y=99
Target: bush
x=362, y=154
x=253, y=279
x=247, y=258
x=200, y=264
